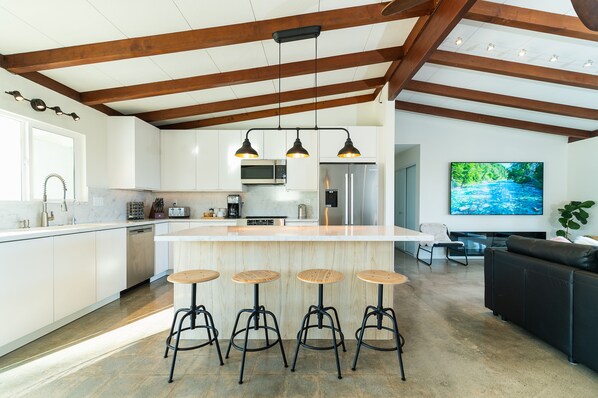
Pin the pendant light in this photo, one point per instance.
(246, 151)
(348, 151)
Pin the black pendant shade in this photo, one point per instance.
(246, 151)
(297, 151)
(349, 151)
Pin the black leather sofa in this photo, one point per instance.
(550, 289)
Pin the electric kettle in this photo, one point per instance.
(301, 211)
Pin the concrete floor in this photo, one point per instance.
(454, 348)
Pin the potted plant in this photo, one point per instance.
(572, 216)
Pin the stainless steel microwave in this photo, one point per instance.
(265, 172)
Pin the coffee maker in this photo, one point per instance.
(234, 206)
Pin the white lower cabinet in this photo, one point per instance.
(161, 263)
(111, 262)
(74, 273)
(26, 290)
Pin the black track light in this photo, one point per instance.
(39, 105)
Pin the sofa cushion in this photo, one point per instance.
(579, 256)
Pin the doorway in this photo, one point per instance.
(405, 200)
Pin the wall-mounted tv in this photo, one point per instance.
(484, 188)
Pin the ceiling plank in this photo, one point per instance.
(200, 38)
(287, 110)
(447, 15)
(502, 100)
(261, 100)
(240, 76)
(494, 120)
(514, 69)
(60, 88)
(525, 18)
(411, 38)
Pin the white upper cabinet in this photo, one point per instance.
(201, 160)
(133, 153)
(364, 138)
(302, 174)
(275, 144)
(179, 153)
(229, 166)
(207, 164)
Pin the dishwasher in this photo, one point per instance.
(140, 254)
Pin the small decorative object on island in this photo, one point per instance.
(572, 212)
(157, 210)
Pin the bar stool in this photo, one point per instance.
(192, 277)
(255, 277)
(321, 277)
(381, 278)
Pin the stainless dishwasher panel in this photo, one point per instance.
(140, 254)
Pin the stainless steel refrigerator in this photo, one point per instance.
(348, 194)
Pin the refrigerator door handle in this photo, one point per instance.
(352, 209)
(346, 198)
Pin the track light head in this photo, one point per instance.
(57, 110)
(38, 104)
(74, 116)
(16, 94)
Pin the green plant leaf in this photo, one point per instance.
(566, 214)
(583, 214)
(587, 204)
(584, 221)
(569, 207)
(573, 225)
(560, 232)
(563, 222)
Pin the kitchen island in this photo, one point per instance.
(287, 250)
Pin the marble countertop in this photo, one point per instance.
(361, 233)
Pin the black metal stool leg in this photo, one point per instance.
(311, 308)
(230, 341)
(398, 341)
(253, 315)
(284, 357)
(338, 323)
(338, 362)
(263, 309)
(366, 316)
(205, 317)
(169, 338)
(209, 316)
(304, 326)
(176, 346)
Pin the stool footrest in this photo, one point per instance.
(239, 348)
(208, 342)
(340, 341)
(363, 343)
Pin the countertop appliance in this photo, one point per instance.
(140, 254)
(179, 212)
(234, 206)
(348, 194)
(135, 211)
(265, 172)
(262, 221)
(302, 211)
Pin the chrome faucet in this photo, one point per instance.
(45, 217)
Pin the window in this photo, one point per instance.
(30, 151)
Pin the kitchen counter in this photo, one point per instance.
(361, 233)
(287, 250)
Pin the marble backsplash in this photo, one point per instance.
(107, 205)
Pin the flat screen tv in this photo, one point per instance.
(484, 188)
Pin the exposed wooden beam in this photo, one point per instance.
(261, 100)
(240, 76)
(514, 69)
(287, 110)
(66, 91)
(200, 38)
(447, 14)
(502, 100)
(525, 18)
(494, 120)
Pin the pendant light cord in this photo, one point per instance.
(316, 84)
(279, 84)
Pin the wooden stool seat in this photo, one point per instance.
(256, 276)
(193, 276)
(382, 277)
(320, 276)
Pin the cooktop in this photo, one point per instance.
(265, 217)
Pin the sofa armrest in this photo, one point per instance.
(585, 318)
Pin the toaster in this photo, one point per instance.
(179, 212)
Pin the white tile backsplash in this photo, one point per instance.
(106, 205)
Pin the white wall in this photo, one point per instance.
(582, 186)
(443, 140)
(92, 123)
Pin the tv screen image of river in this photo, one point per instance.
(484, 188)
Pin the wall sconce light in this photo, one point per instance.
(40, 106)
